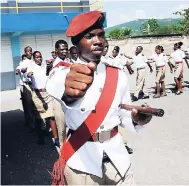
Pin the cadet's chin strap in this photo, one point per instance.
(88, 128)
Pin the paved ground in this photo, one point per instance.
(161, 150)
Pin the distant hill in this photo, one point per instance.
(136, 25)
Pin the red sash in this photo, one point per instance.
(62, 63)
(88, 128)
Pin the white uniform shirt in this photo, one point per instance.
(89, 157)
(140, 61)
(24, 64)
(119, 61)
(160, 59)
(72, 61)
(57, 60)
(178, 55)
(39, 77)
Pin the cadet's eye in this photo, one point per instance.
(89, 36)
(102, 34)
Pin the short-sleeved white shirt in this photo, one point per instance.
(178, 55)
(160, 59)
(140, 60)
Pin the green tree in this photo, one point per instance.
(124, 32)
(150, 27)
(114, 34)
(170, 29)
(185, 20)
(120, 33)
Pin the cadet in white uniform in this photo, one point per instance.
(178, 57)
(87, 166)
(120, 61)
(22, 81)
(61, 48)
(110, 62)
(160, 60)
(43, 102)
(140, 62)
(73, 54)
(23, 65)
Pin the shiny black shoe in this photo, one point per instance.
(134, 98)
(130, 151)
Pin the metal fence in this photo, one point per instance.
(94, 5)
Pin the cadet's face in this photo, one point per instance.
(91, 46)
(38, 58)
(28, 52)
(157, 51)
(74, 54)
(105, 51)
(138, 50)
(53, 55)
(62, 51)
(114, 53)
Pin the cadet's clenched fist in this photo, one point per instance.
(79, 79)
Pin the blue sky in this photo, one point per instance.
(123, 11)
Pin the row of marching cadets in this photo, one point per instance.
(175, 61)
(42, 112)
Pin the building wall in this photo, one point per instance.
(46, 26)
(128, 46)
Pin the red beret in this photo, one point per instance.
(82, 22)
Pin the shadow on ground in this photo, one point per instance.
(23, 162)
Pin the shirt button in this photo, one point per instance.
(102, 126)
(100, 89)
(82, 109)
(96, 72)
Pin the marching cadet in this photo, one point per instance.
(53, 53)
(73, 54)
(22, 81)
(106, 47)
(108, 61)
(49, 62)
(140, 62)
(43, 102)
(61, 49)
(93, 132)
(27, 92)
(120, 60)
(160, 60)
(178, 57)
